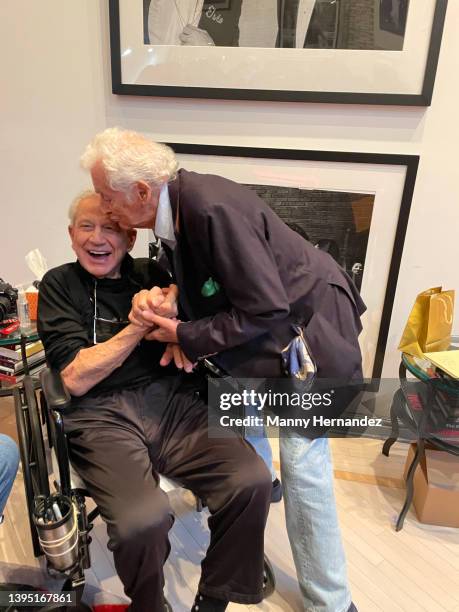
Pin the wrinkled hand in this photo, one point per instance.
(158, 301)
(165, 330)
(193, 36)
(175, 353)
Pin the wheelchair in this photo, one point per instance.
(34, 419)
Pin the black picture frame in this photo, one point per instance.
(423, 98)
(410, 162)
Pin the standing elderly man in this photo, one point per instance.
(244, 277)
(131, 419)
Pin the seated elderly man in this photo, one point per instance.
(131, 418)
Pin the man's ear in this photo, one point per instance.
(143, 191)
(131, 235)
(70, 230)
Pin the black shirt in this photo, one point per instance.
(66, 322)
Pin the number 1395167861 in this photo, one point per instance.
(35, 598)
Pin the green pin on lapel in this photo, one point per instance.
(210, 287)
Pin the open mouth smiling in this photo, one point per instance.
(99, 255)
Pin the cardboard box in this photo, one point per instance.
(436, 487)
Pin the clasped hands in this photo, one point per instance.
(156, 310)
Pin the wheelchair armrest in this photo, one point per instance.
(56, 395)
(57, 399)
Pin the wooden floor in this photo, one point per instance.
(416, 569)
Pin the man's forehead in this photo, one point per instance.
(98, 174)
(91, 207)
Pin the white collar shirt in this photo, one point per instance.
(164, 224)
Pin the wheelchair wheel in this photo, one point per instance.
(31, 449)
(39, 467)
(269, 579)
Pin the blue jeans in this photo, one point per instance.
(9, 461)
(256, 436)
(312, 524)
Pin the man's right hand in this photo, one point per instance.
(156, 301)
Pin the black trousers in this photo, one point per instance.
(119, 443)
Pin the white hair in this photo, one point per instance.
(128, 157)
(75, 205)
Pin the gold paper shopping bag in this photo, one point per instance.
(428, 328)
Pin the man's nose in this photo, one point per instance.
(97, 235)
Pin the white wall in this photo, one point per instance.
(56, 94)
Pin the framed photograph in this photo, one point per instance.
(339, 51)
(355, 206)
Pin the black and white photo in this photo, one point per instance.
(337, 222)
(309, 24)
(336, 51)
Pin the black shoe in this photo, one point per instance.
(352, 608)
(276, 493)
(203, 603)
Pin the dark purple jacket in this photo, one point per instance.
(269, 277)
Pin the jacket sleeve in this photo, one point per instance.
(239, 253)
(60, 323)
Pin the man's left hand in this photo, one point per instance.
(174, 353)
(166, 330)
